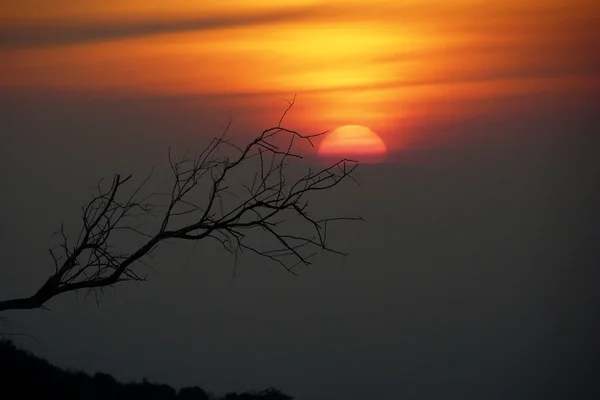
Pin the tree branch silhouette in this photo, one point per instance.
(92, 262)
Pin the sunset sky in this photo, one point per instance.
(393, 66)
(475, 275)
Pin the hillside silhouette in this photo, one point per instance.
(24, 375)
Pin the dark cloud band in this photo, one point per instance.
(32, 35)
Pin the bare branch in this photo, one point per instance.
(207, 200)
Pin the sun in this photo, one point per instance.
(355, 142)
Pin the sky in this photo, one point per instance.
(472, 277)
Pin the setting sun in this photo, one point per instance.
(355, 142)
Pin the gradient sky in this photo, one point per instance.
(384, 64)
(471, 278)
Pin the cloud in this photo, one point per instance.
(34, 35)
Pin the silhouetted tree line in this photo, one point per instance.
(24, 375)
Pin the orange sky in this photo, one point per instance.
(375, 63)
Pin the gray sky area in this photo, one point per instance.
(474, 276)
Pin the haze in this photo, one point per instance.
(475, 275)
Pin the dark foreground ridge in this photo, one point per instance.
(24, 375)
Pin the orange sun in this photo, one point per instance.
(355, 142)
